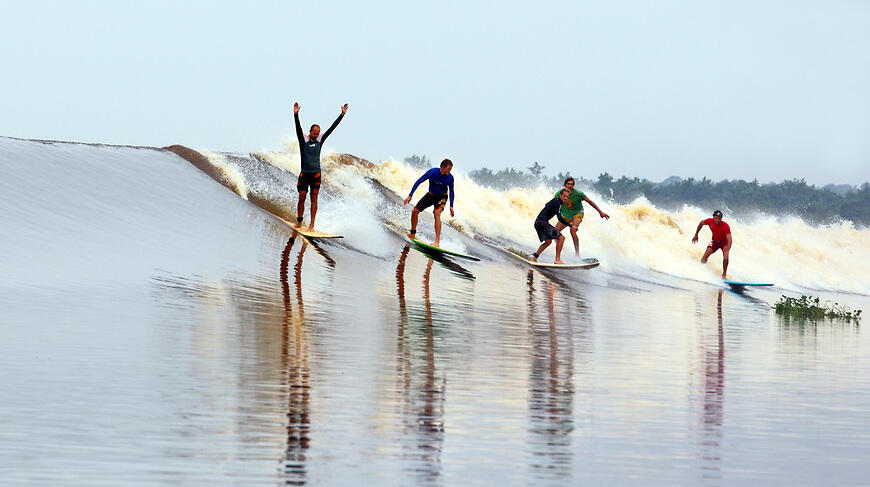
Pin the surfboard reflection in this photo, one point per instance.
(446, 262)
(316, 246)
(422, 388)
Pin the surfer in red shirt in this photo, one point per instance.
(721, 239)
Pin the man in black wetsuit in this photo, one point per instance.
(309, 175)
(546, 232)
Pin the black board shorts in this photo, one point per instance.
(429, 199)
(308, 180)
(545, 230)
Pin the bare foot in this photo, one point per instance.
(557, 261)
(411, 236)
(298, 225)
(436, 244)
(533, 259)
(310, 227)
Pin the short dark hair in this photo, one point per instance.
(569, 178)
(446, 162)
(312, 126)
(717, 213)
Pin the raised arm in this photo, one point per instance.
(334, 124)
(298, 125)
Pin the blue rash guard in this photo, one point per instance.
(309, 150)
(438, 183)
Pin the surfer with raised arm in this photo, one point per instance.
(546, 232)
(571, 213)
(721, 239)
(440, 183)
(309, 152)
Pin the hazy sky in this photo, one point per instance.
(740, 89)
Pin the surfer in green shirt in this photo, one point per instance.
(571, 212)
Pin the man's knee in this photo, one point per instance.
(415, 211)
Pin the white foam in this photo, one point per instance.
(230, 172)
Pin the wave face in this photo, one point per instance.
(639, 240)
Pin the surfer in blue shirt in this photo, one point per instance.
(309, 152)
(440, 181)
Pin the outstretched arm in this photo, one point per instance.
(600, 213)
(695, 238)
(334, 124)
(424, 177)
(298, 125)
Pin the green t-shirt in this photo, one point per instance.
(574, 206)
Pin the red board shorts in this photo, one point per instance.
(716, 245)
(308, 180)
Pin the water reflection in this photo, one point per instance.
(713, 393)
(551, 386)
(294, 360)
(422, 389)
(446, 262)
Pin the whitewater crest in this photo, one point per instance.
(363, 201)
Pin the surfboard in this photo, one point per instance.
(743, 285)
(439, 250)
(586, 263)
(315, 233)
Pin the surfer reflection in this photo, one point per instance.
(317, 248)
(423, 392)
(294, 356)
(551, 387)
(714, 391)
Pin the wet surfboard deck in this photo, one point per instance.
(431, 248)
(586, 263)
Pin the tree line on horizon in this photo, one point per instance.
(793, 196)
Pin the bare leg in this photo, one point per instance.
(300, 208)
(437, 241)
(541, 249)
(706, 255)
(559, 244)
(576, 240)
(415, 213)
(724, 262)
(313, 210)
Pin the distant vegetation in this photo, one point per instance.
(807, 307)
(814, 205)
